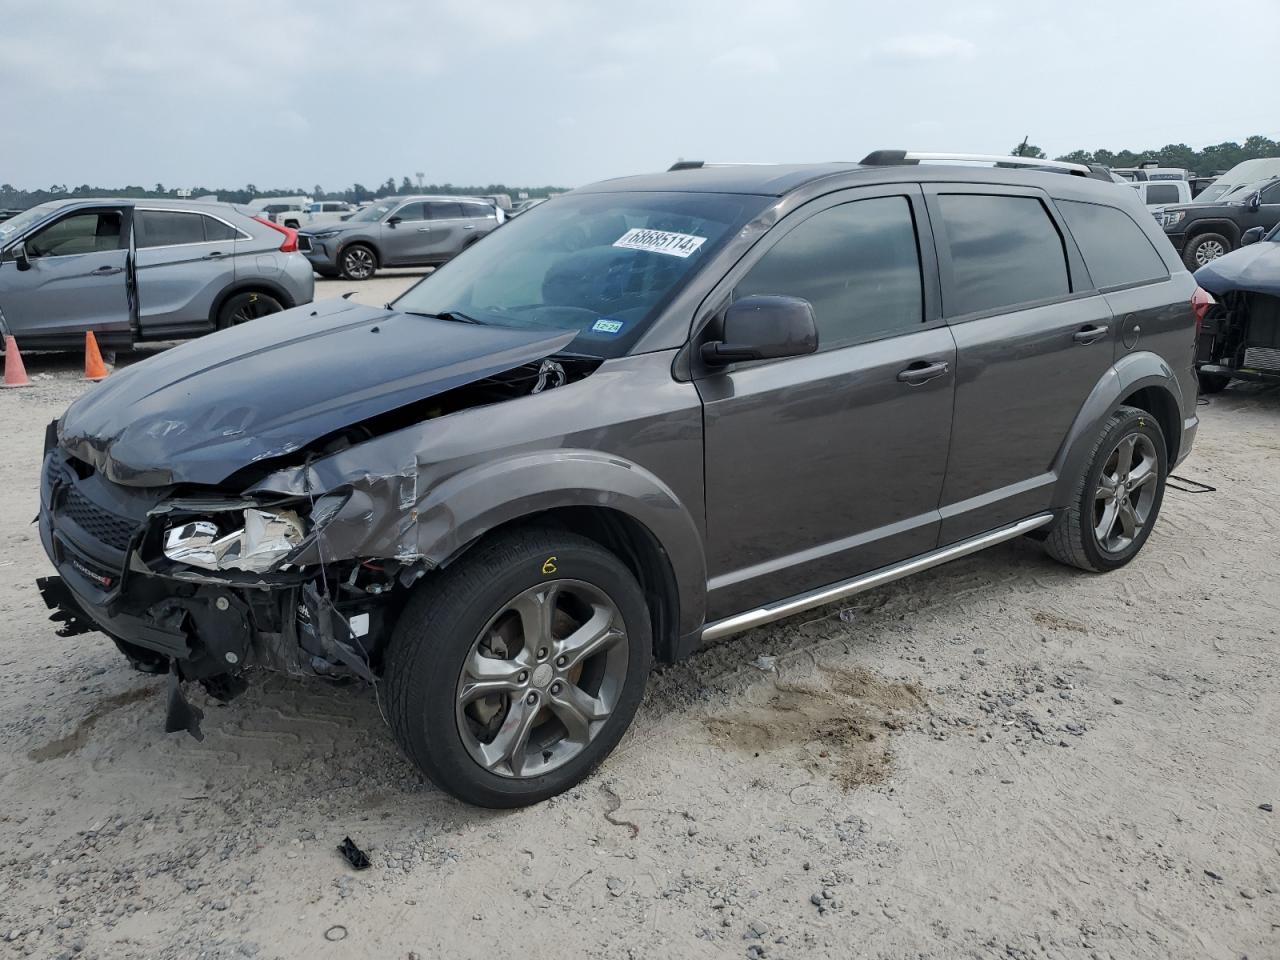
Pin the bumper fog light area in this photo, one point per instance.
(265, 539)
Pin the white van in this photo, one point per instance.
(1248, 172)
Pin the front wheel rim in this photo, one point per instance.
(1209, 250)
(359, 263)
(1126, 492)
(542, 679)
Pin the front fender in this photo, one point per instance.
(1133, 372)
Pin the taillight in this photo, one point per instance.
(1201, 301)
(290, 244)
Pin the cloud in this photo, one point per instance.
(929, 46)
(748, 60)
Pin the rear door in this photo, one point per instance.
(477, 219)
(78, 279)
(448, 228)
(1033, 340)
(825, 466)
(408, 240)
(185, 259)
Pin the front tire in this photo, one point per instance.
(357, 262)
(1117, 499)
(1204, 248)
(514, 672)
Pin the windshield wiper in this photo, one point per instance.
(453, 315)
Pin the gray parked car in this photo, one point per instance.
(399, 232)
(657, 412)
(143, 270)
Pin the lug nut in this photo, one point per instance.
(555, 688)
(232, 658)
(222, 603)
(531, 699)
(561, 661)
(522, 677)
(542, 653)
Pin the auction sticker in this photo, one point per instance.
(605, 325)
(660, 241)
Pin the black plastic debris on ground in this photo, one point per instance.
(354, 855)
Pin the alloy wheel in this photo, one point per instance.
(251, 308)
(1209, 250)
(1126, 492)
(358, 263)
(542, 678)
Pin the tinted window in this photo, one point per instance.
(78, 233)
(857, 264)
(215, 229)
(477, 210)
(1162, 193)
(411, 211)
(1114, 248)
(1271, 194)
(444, 211)
(167, 228)
(1004, 251)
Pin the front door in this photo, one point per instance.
(406, 235)
(822, 467)
(77, 280)
(1033, 338)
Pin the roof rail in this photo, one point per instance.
(686, 165)
(699, 164)
(892, 158)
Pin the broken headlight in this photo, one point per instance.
(267, 537)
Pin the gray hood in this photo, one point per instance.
(1253, 268)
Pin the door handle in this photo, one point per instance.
(922, 371)
(424, 229)
(216, 255)
(1090, 333)
(106, 271)
(469, 226)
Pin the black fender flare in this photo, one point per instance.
(1228, 228)
(251, 285)
(1133, 372)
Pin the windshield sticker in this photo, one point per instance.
(605, 325)
(660, 241)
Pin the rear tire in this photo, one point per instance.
(1204, 248)
(243, 307)
(1117, 498)
(357, 262)
(468, 668)
(1213, 382)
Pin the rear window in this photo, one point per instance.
(1114, 248)
(1162, 193)
(1005, 251)
(444, 211)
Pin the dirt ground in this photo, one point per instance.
(999, 758)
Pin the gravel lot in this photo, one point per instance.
(999, 758)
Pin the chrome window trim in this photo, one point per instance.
(240, 234)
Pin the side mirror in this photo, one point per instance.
(764, 328)
(19, 254)
(392, 221)
(1254, 200)
(1252, 235)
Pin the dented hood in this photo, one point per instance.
(1253, 268)
(203, 410)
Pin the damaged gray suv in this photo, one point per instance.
(656, 412)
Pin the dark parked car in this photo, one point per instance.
(399, 232)
(657, 412)
(143, 270)
(1240, 328)
(1202, 231)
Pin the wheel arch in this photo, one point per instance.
(1142, 380)
(364, 242)
(1227, 228)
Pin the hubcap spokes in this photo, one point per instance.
(1126, 492)
(541, 678)
(1208, 251)
(359, 264)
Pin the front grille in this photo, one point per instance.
(304, 243)
(100, 524)
(1262, 358)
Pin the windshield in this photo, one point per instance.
(19, 223)
(371, 213)
(601, 264)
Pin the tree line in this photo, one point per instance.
(1217, 158)
(15, 198)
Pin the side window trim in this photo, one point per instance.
(239, 234)
(713, 305)
(1080, 285)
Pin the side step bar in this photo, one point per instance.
(868, 581)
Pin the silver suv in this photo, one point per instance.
(399, 232)
(143, 270)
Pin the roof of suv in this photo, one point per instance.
(776, 180)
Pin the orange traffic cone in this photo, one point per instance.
(94, 368)
(15, 372)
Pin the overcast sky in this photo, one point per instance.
(230, 92)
